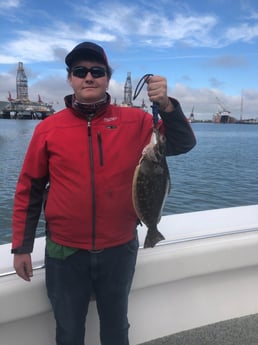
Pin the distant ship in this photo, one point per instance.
(223, 115)
(22, 107)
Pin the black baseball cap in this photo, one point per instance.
(86, 50)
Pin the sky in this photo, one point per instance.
(207, 50)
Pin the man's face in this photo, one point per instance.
(89, 89)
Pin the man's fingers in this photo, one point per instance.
(23, 266)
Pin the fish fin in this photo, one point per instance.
(152, 238)
(138, 222)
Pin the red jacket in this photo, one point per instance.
(90, 167)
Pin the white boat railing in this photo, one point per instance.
(205, 272)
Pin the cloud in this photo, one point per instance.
(46, 45)
(245, 33)
(9, 4)
(7, 83)
(116, 91)
(153, 25)
(51, 91)
(124, 25)
(139, 26)
(227, 61)
(215, 83)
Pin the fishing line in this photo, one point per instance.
(155, 105)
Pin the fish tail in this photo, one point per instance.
(153, 237)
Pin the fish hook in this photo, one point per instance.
(155, 105)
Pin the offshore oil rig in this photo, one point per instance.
(128, 95)
(21, 107)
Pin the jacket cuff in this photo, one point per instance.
(21, 251)
(175, 105)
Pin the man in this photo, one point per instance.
(86, 155)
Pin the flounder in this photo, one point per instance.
(151, 185)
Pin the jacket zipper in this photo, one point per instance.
(92, 187)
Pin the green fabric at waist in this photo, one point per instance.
(58, 251)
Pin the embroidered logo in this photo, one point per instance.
(109, 119)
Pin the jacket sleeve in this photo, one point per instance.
(178, 132)
(29, 195)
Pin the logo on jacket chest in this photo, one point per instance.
(109, 119)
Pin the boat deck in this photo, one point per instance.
(240, 331)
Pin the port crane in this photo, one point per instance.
(222, 107)
(191, 117)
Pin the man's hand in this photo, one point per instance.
(157, 92)
(22, 265)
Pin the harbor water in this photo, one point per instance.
(221, 171)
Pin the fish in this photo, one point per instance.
(151, 186)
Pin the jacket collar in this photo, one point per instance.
(87, 111)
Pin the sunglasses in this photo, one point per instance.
(81, 71)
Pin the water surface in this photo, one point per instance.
(221, 171)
